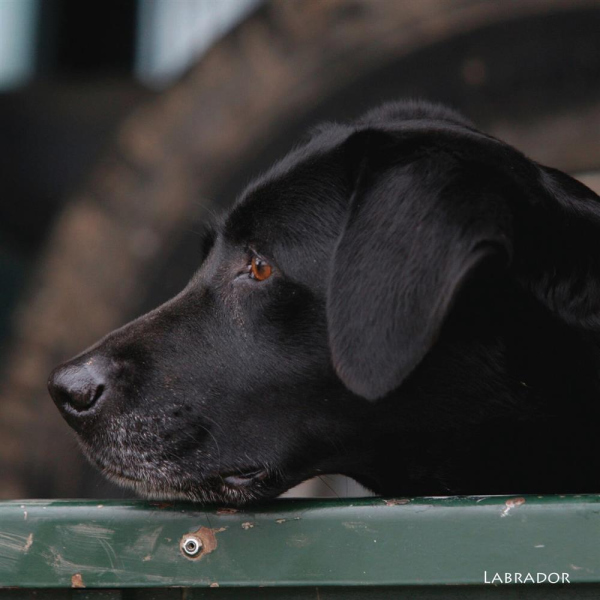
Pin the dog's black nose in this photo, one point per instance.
(77, 386)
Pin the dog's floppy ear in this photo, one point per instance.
(417, 227)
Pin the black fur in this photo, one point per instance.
(430, 327)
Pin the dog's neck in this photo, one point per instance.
(508, 404)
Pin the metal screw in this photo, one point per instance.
(191, 546)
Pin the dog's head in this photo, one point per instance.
(368, 290)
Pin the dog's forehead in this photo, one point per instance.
(303, 196)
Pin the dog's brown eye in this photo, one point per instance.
(260, 269)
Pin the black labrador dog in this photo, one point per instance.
(402, 299)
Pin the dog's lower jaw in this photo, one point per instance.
(175, 490)
(212, 490)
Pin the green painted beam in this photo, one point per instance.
(423, 542)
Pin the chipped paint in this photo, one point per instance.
(510, 504)
(247, 525)
(77, 581)
(207, 538)
(227, 511)
(161, 505)
(13, 545)
(280, 521)
(395, 501)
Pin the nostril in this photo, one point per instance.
(98, 393)
(76, 387)
(85, 396)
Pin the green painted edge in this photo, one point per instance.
(351, 542)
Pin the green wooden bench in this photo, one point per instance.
(354, 548)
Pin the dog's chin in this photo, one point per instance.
(237, 490)
(233, 488)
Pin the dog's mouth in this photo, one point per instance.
(246, 478)
(243, 479)
(231, 487)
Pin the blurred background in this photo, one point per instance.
(123, 123)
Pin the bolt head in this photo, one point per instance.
(191, 546)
